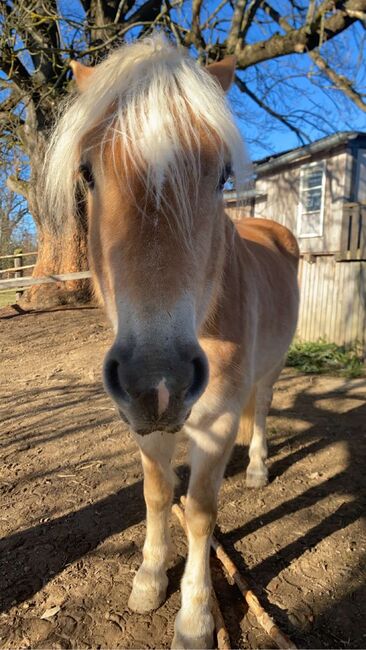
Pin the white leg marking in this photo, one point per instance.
(150, 582)
(257, 472)
(194, 623)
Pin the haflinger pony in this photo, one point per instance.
(203, 312)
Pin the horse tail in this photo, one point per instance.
(245, 430)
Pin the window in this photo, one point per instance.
(311, 205)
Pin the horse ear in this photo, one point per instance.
(223, 71)
(82, 74)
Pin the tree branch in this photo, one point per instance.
(233, 38)
(248, 19)
(244, 88)
(147, 12)
(296, 41)
(197, 38)
(340, 81)
(18, 185)
(213, 14)
(14, 69)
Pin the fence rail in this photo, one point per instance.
(18, 268)
(13, 269)
(20, 282)
(8, 257)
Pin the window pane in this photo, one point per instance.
(313, 177)
(310, 224)
(311, 200)
(310, 204)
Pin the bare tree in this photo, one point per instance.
(38, 40)
(13, 207)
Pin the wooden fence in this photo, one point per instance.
(353, 233)
(15, 272)
(332, 300)
(20, 281)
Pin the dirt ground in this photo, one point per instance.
(72, 511)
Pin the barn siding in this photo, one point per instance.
(281, 192)
(333, 301)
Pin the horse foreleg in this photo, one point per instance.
(210, 450)
(150, 582)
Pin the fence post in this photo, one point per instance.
(18, 261)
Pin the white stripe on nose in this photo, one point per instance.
(163, 397)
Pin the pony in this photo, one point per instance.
(203, 311)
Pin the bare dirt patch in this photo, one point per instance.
(72, 511)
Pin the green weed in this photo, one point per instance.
(322, 357)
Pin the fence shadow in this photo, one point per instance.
(31, 557)
(324, 429)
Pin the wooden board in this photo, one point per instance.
(29, 282)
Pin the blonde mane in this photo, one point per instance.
(144, 95)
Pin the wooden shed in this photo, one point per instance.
(319, 192)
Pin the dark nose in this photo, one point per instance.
(132, 380)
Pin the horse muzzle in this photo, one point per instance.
(155, 392)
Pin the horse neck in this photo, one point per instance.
(227, 262)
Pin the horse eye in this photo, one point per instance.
(87, 174)
(225, 175)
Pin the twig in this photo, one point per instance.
(178, 512)
(223, 639)
(264, 619)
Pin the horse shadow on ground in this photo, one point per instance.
(31, 557)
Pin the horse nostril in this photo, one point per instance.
(112, 380)
(200, 378)
(111, 371)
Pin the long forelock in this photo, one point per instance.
(148, 98)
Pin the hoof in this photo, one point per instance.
(256, 479)
(145, 598)
(182, 642)
(146, 601)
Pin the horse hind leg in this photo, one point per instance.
(257, 471)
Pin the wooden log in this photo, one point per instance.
(264, 619)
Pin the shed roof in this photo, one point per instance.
(330, 142)
(276, 161)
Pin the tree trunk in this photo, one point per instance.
(62, 248)
(65, 252)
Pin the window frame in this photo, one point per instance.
(300, 211)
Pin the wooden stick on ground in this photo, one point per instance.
(264, 619)
(223, 639)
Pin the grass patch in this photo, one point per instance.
(320, 357)
(7, 298)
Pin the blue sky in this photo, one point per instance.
(291, 84)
